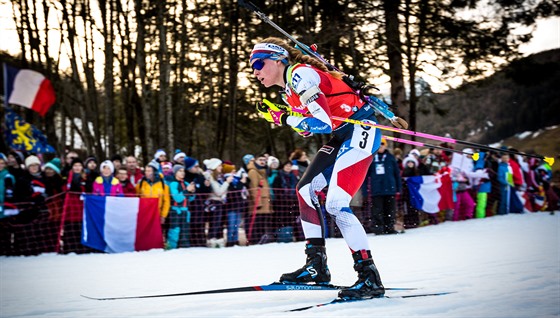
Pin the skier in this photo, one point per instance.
(315, 94)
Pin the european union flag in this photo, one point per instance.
(23, 136)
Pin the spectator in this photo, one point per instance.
(385, 183)
(179, 215)
(273, 164)
(106, 183)
(153, 186)
(134, 173)
(246, 159)
(194, 174)
(15, 163)
(167, 171)
(7, 184)
(127, 186)
(300, 162)
(216, 199)
(236, 201)
(91, 172)
(30, 187)
(284, 203)
(260, 211)
(76, 181)
(68, 158)
(160, 156)
(117, 162)
(483, 188)
(434, 161)
(54, 184)
(411, 215)
(179, 157)
(505, 178)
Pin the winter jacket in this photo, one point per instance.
(7, 184)
(155, 189)
(180, 196)
(107, 186)
(136, 177)
(384, 175)
(75, 182)
(219, 189)
(257, 175)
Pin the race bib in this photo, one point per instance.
(363, 138)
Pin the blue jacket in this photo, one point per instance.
(384, 175)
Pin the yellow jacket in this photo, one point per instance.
(156, 190)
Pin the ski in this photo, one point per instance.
(351, 300)
(276, 286)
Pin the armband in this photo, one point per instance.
(310, 95)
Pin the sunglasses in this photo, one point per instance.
(258, 64)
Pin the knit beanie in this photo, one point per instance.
(247, 158)
(166, 165)
(76, 160)
(54, 165)
(410, 158)
(159, 153)
(3, 157)
(89, 159)
(176, 168)
(108, 163)
(32, 160)
(190, 162)
(273, 160)
(154, 164)
(213, 163)
(227, 167)
(178, 155)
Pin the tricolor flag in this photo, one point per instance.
(28, 88)
(121, 224)
(431, 193)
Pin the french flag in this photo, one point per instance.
(29, 89)
(430, 194)
(121, 224)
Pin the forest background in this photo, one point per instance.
(135, 76)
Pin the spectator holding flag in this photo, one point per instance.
(153, 186)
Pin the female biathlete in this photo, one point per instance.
(342, 163)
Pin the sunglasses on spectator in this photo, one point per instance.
(258, 64)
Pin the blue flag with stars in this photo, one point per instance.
(22, 136)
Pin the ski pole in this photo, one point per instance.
(475, 155)
(549, 160)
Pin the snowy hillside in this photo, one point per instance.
(503, 266)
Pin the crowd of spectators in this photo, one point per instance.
(217, 203)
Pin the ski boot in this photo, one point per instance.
(315, 269)
(369, 283)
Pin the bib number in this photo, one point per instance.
(363, 138)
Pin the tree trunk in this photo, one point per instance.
(394, 48)
(144, 95)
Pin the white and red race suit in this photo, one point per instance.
(343, 162)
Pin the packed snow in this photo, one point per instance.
(503, 266)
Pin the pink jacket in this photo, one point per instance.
(99, 188)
